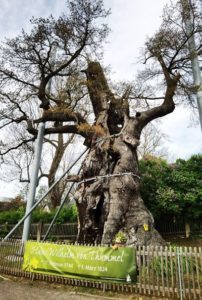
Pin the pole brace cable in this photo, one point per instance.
(108, 176)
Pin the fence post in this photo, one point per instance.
(187, 230)
(38, 231)
(179, 273)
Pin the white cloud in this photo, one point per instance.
(184, 139)
(15, 14)
(130, 22)
(9, 189)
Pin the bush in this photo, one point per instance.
(67, 214)
(172, 190)
(11, 216)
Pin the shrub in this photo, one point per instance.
(67, 214)
(11, 216)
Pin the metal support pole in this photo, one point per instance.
(42, 198)
(33, 181)
(200, 7)
(35, 172)
(193, 55)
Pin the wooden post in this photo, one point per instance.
(39, 230)
(187, 230)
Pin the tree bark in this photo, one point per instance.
(57, 192)
(112, 203)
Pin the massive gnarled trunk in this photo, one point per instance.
(108, 199)
(109, 204)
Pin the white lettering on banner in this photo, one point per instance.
(93, 268)
(67, 253)
(97, 257)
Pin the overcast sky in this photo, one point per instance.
(130, 22)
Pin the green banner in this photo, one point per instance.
(104, 263)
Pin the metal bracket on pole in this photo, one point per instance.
(34, 180)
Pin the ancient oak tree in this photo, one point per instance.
(108, 197)
(112, 203)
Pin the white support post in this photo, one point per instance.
(33, 181)
(193, 55)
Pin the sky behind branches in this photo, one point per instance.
(131, 22)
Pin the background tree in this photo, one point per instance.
(172, 191)
(151, 143)
(52, 51)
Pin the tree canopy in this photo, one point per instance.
(172, 190)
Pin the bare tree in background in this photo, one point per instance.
(151, 144)
(54, 50)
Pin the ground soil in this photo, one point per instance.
(14, 288)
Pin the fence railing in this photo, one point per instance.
(183, 228)
(172, 272)
(68, 231)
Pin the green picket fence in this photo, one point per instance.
(171, 272)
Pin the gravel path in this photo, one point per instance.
(26, 290)
(15, 288)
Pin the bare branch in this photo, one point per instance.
(60, 114)
(51, 142)
(166, 107)
(13, 76)
(17, 146)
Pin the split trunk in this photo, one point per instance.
(108, 199)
